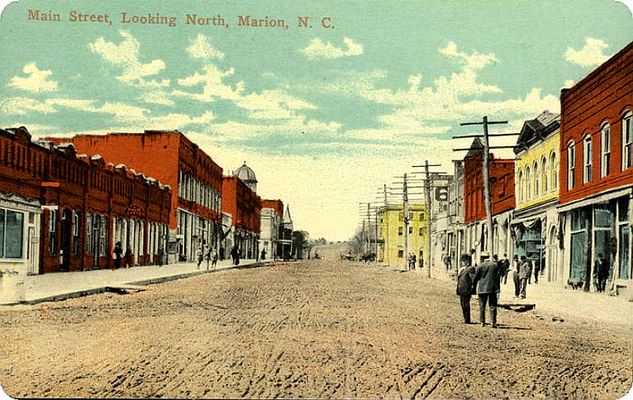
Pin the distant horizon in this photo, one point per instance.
(325, 102)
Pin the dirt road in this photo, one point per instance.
(309, 329)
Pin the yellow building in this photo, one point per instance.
(535, 220)
(393, 235)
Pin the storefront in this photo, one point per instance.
(599, 229)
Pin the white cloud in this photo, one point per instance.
(318, 49)
(591, 54)
(125, 55)
(213, 86)
(202, 48)
(36, 80)
(24, 106)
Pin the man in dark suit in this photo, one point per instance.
(487, 277)
(465, 285)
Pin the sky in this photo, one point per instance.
(325, 114)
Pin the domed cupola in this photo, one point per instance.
(246, 174)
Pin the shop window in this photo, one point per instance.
(11, 233)
(605, 150)
(624, 235)
(603, 218)
(578, 255)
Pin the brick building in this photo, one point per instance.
(271, 224)
(501, 172)
(195, 220)
(244, 207)
(63, 211)
(596, 173)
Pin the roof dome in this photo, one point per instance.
(246, 174)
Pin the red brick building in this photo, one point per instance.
(244, 206)
(62, 211)
(502, 195)
(195, 221)
(596, 172)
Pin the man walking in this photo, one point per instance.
(487, 280)
(525, 271)
(515, 275)
(504, 267)
(465, 286)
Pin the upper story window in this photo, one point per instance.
(586, 156)
(605, 150)
(627, 140)
(528, 180)
(554, 171)
(571, 165)
(544, 175)
(537, 179)
(520, 182)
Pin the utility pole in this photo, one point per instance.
(368, 231)
(485, 169)
(429, 213)
(428, 184)
(405, 209)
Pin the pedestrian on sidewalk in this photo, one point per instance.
(504, 267)
(128, 257)
(487, 281)
(200, 256)
(515, 275)
(537, 268)
(118, 251)
(465, 285)
(525, 271)
(214, 258)
(601, 272)
(235, 255)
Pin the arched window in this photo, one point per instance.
(587, 159)
(605, 150)
(554, 170)
(537, 180)
(571, 165)
(528, 179)
(544, 175)
(627, 140)
(520, 182)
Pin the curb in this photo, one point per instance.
(142, 282)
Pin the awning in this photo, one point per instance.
(603, 198)
(529, 221)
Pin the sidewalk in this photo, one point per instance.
(552, 300)
(65, 285)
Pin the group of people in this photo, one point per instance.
(412, 259)
(485, 281)
(126, 261)
(210, 254)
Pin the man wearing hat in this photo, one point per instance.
(487, 278)
(465, 285)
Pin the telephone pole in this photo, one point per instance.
(429, 209)
(405, 209)
(485, 169)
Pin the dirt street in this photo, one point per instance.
(318, 329)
